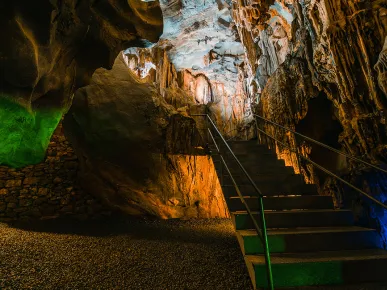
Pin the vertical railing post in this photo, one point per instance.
(264, 228)
(297, 155)
(266, 244)
(221, 178)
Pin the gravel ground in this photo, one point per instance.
(122, 254)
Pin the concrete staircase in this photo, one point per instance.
(311, 243)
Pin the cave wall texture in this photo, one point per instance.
(51, 49)
(316, 66)
(136, 152)
(320, 68)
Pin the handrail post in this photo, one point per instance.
(298, 156)
(266, 244)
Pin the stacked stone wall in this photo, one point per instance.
(48, 189)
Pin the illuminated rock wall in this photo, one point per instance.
(137, 152)
(320, 68)
(198, 61)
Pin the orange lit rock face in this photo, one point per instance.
(135, 150)
(302, 50)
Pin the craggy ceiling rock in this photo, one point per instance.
(136, 150)
(50, 48)
(197, 61)
(381, 67)
(339, 42)
(339, 45)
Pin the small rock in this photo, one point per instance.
(13, 183)
(31, 180)
(3, 191)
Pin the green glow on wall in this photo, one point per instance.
(25, 135)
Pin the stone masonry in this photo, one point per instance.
(48, 189)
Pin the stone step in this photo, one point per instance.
(273, 178)
(272, 189)
(309, 239)
(295, 218)
(282, 202)
(275, 166)
(252, 158)
(245, 144)
(320, 268)
(255, 150)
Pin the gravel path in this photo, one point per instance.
(122, 254)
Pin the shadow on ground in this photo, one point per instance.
(193, 230)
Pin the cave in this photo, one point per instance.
(320, 123)
(132, 157)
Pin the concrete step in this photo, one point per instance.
(276, 168)
(248, 147)
(256, 150)
(309, 240)
(276, 165)
(272, 189)
(320, 268)
(245, 144)
(295, 218)
(280, 203)
(252, 158)
(261, 159)
(267, 169)
(273, 178)
(240, 144)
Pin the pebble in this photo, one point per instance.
(125, 253)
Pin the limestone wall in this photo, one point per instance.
(47, 189)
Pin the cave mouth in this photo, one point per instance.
(321, 124)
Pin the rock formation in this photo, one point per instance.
(136, 150)
(130, 124)
(329, 54)
(198, 61)
(318, 67)
(50, 49)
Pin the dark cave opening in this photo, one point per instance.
(321, 124)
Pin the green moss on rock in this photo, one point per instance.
(25, 134)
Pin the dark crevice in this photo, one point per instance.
(321, 124)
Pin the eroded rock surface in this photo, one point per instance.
(49, 49)
(136, 150)
(330, 53)
(198, 61)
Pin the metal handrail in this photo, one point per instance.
(322, 144)
(261, 233)
(321, 167)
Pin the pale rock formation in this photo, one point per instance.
(198, 61)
